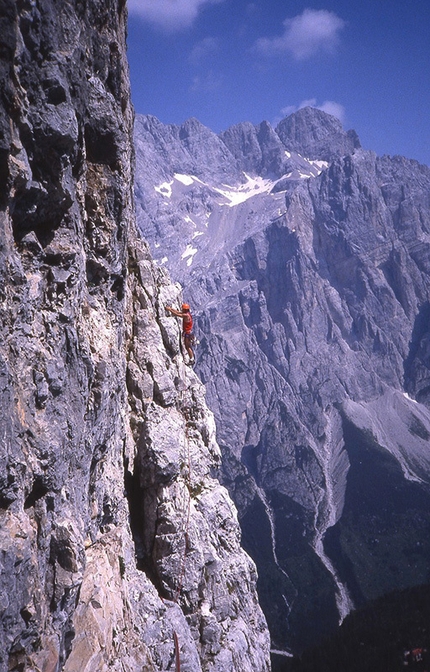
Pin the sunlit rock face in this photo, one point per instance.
(306, 259)
(119, 549)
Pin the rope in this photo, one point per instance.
(186, 520)
(178, 660)
(187, 512)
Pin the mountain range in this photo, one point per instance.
(306, 261)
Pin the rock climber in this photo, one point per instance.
(187, 328)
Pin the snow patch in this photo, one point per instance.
(321, 165)
(165, 189)
(184, 179)
(189, 252)
(406, 395)
(252, 187)
(197, 233)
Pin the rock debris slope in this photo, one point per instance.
(119, 548)
(307, 260)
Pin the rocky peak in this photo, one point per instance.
(191, 149)
(207, 150)
(316, 135)
(243, 143)
(274, 162)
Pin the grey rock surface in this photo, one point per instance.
(309, 278)
(317, 135)
(120, 550)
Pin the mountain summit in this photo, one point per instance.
(306, 260)
(316, 135)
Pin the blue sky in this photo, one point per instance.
(226, 61)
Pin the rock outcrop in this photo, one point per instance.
(312, 297)
(119, 548)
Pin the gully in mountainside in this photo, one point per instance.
(187, 328)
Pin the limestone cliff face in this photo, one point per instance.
(119, 548)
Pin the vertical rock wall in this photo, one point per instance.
(116, 541)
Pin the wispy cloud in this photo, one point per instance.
(171, 15)
(207, 83)
(204, 49)
(305, 35)
(329, 106)
(336, 109)
(251, 9)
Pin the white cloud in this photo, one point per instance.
(305, 35)
(329, 106)
(309, 102)
(171, 15)
(336, 109)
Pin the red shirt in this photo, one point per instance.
(187, 324)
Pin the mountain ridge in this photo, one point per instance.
(311, 295)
